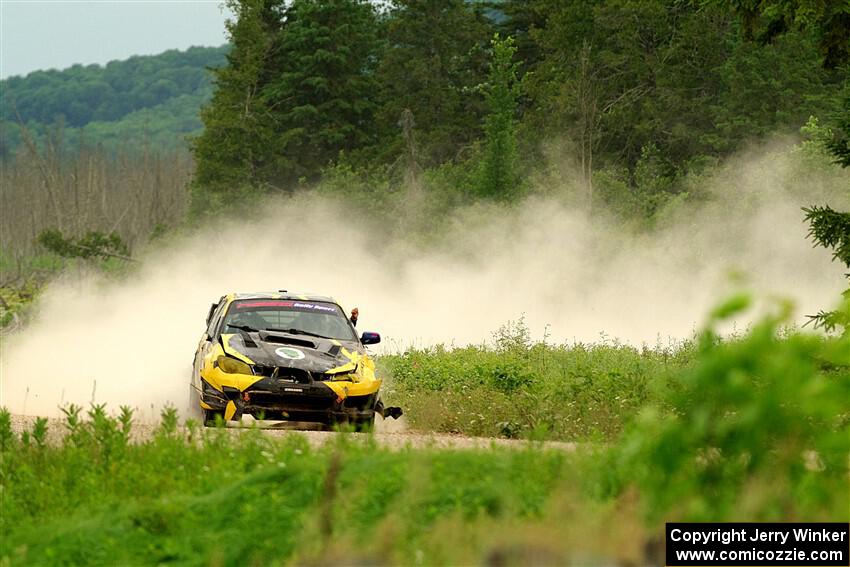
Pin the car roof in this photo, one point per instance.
(282, 294)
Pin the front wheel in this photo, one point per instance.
(194, 410)
(365, 424)
(212, 417)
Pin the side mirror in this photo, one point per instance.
(370, 338)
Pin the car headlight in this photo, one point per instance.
(232, 365)
(350, 376)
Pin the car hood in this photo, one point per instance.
(276, 349)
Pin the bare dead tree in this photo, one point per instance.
(87, 190)
(412, 169)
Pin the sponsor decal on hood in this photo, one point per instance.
(289, 353)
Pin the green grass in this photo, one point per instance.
(516, 388)
(249, 499)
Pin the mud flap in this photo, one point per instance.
(393, 412)
(385, 412)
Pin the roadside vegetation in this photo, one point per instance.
(516, 388)
(752, 429)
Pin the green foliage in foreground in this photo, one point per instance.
(518, 388)
(752, 429)
(196, 498)
(759, 427)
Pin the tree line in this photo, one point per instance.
(117, 105)
(83, 94)
(643, 91)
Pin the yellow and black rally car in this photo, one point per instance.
(285, 356)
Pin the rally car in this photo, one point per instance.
(285, 356)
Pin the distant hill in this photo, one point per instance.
(150, 100)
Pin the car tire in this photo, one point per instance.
(211, 417)
(365, 425)
(194, 410)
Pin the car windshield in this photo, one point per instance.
(308, 317)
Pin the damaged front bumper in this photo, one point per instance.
(313, 401)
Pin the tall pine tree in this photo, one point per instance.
(237, 145)
(325, 93)
(498, 177)
(436, 56)
(298, 89)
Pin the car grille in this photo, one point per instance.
(291, 402)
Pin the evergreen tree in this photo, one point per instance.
(840, 144)
(766, 87)
(828, 20)
(299, 88)
(831, 229)
(325, 92)
(498, 177)
(616, 76)
(237, 147)
(520, 20)
(647, 90)
(435, 58)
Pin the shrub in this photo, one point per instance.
(760, 429)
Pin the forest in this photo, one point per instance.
(123, 103)
(629, 90)
(638, 94)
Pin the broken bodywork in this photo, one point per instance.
(284, 356)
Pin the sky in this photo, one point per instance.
(56, 34)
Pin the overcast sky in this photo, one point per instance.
(55, 34)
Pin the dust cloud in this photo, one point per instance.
(572, 277)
